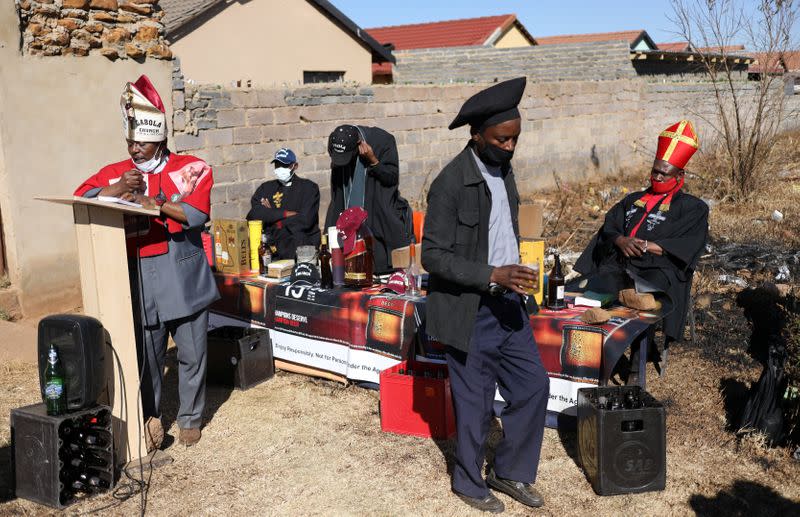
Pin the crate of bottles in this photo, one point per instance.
(59, 460)
(415, 399)
(622, 439)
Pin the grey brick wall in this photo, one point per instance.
(573, 62)
(571, 129)
(565, 124)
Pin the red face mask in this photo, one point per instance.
(662, 187)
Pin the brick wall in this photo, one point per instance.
(695, 101)
(570, 128)
(572, 62)
(112, 28)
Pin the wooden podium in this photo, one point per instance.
(100, 229)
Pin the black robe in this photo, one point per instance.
(287, 233)
(388, 214)
(681, 231)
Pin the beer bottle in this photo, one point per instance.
(326, 274)
(555, 286)
(55, 395)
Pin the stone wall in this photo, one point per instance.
(570, 129)
(59, 124)
(113, 28)
(570, 62)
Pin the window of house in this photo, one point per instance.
(311, 77)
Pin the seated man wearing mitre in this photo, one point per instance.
(651, 240)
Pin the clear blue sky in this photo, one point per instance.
(540, 17)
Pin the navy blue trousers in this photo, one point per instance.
(502, 354)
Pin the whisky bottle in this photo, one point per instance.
(326, 274)
(555, 286)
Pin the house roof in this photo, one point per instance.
(449, 33)
(726, 49)
(178, 13)
(677, 46)
(632, 37)
(777, 63)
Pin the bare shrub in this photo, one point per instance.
(748, 113)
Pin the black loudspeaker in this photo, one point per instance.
(622, 440)
(59, 460)
(239, 357)
(81, 343)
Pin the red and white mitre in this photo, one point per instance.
(677, 144)
(143, 113)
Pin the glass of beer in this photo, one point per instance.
(535, 267)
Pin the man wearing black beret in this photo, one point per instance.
(475, 307)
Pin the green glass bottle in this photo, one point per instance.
(55, 396)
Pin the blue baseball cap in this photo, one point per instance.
(285, 156)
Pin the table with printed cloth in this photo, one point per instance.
(353, 335)
(339, 334)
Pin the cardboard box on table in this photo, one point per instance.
(401, 257)
(531, 245)
(231, 246)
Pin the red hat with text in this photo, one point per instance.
(347, 225)
(677, 144)
(143, 113)
(398, 283)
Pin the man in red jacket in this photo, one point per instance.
(171, 282)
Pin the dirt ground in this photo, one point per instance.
(301, 446)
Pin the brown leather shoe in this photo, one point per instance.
(153, 434)
(189, 436)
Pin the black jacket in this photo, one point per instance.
(681, 231)
(455, 247)
(287, 233)
(386, 210)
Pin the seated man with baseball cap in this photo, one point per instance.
(365, 173)
(288, 206)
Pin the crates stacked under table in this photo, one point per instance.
(622, 439)
(60, 459)
(416, 400)
(239, 357)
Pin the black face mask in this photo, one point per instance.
(493, 155)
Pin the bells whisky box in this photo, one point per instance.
(231, 246)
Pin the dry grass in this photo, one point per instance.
(298, 446)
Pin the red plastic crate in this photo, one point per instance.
(418, 406)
